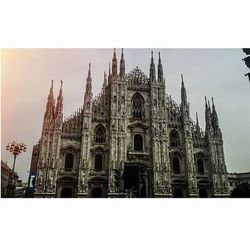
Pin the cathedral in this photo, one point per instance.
(131, 140)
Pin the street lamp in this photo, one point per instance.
(14, 148)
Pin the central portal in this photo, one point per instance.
(138, 181)
(66, 193)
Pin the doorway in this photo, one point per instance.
(67, 192)
(137, 181)
(203, 193)
(177, 193)
(97, 192)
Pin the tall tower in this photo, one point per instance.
(117, 128)
(188, 142)
(47, 130)
(158, 133)
(85, 159)
(58, 123)
(50, 144)
(215, 144)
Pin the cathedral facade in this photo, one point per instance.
(131, 140)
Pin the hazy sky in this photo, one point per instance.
(27, 73)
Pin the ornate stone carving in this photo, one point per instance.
(155, 118)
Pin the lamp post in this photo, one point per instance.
(14, 148)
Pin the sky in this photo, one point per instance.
(27, 74)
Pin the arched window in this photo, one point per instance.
(137, 104)
(176, 165)
(178, 193)
(138, 143)
(100, 134)
(203, 193)
(69, 161)
(174, 139)
(200, 166)
(98, 162)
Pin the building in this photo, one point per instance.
(232, 181)
(33, 169)
(239, 184)
(6, 178)
(131, 140)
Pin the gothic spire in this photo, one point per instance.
(122, 65)
(206, 107)
(207, 115)
(109, 75)
(114, 64)
(197, 124)
(215, 120)
(89, 80)
(209, 107)
(60, 91)
(184, 103)
(51, 101)
(183, 92)
(105, 80)
(213, 106)
(152, 68)
(88, 92)
(59, 105)
(103, 93)
(51, 94)
(160, 69)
